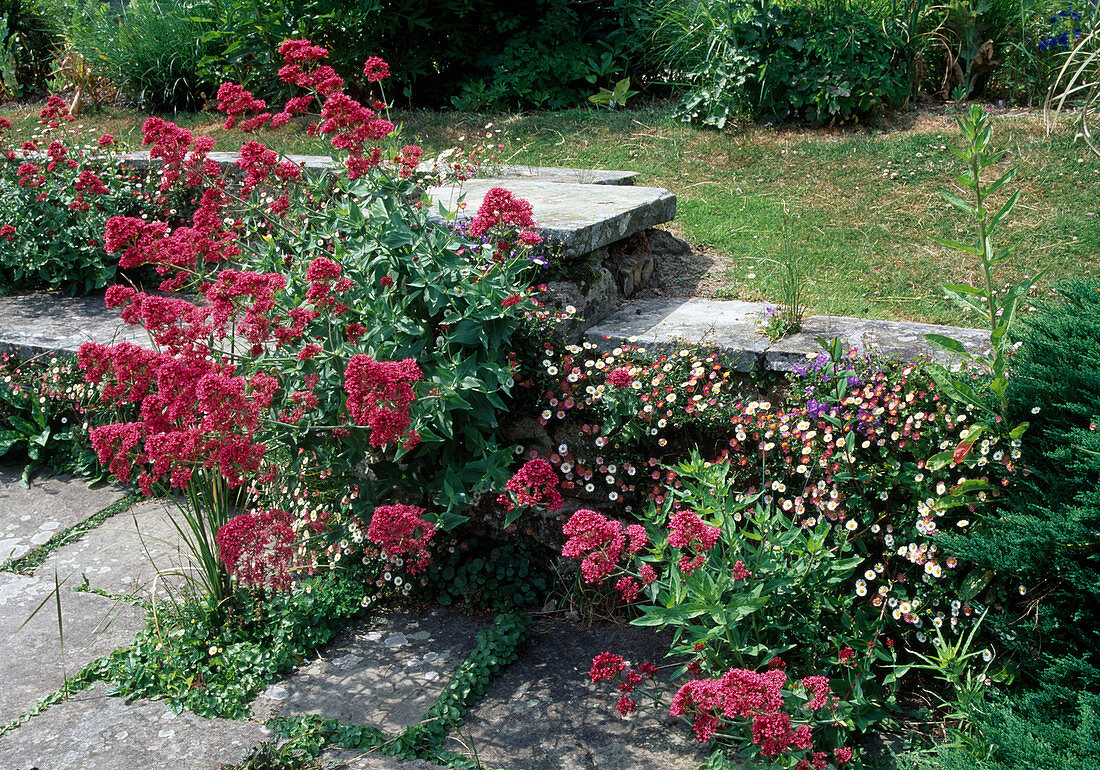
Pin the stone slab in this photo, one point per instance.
(732, 327)
(385, 671)
(547, 174)
(543, 712)
(140, 159)
(30, 645)
(580, 218)
(47, 322)
(92, 731)
(344, 759)
(134, 553)
(30, 517)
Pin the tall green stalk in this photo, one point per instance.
(998, 309)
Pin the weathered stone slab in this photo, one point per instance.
(580, 218)
(544, 713)
(732, 327)
(133, 553)
(30, 517)
(91, 731)
(343, 759)
(140, 159)
(30, 645)
(47, 322)
(894, 338)
(555, 174)
(728, 325)
(385, 671)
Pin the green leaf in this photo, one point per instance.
(950, 344)
(959, 203)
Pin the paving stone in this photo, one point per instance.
(385, 671)
(543, 712)
(30, 517)
(124, 555)
(732, 326)
(580, 218)
(30, 646)
(343, 759)
(47, 322)
(92, 731)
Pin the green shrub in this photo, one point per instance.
(29, 34)
(152, 50)
(793, 62)
(473, 54)
(1047, 533)
(56, 236)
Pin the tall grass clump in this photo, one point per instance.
(152, 49)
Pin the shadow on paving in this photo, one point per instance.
(91, 731)
(384, 671)
(30, 517)
(544, 713)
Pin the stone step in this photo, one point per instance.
(92, 731)
(140, 159)
(578, 218)
(396, 664)
(731, 326)
(42, 323)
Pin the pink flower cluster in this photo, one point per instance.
(174, 253)
(379, 396)
(688, 531)
(600, 543)
(193, 412)
(607, 666)
(500, 207)
(395, 528)
(759, 697)
(257, 548)
(535, 482)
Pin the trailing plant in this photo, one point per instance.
(213, 658)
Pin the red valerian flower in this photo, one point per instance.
(606, 665)
(379, 396)
(620, 378)
(818, 687)
(7, 232)
(395, 528)
(687, 530)
(843, 755)
(626, 705)
(846, 656)
(258, 548)
(535, 482)
(499, 207)
(600, 541)
(376, 69)
(106, 140)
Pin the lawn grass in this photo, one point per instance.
(864, 200)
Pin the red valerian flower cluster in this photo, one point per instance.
(194, 412)
(500, 207)
(688, 531)
(608, 666)
(531, 485)
(379, 396)
(394, 528)
(258, 549)
(741, 694)
(600, 543)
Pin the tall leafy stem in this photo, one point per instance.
(985, 392)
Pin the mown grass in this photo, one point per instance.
(864, 200)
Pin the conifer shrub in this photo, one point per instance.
(1047, 532)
